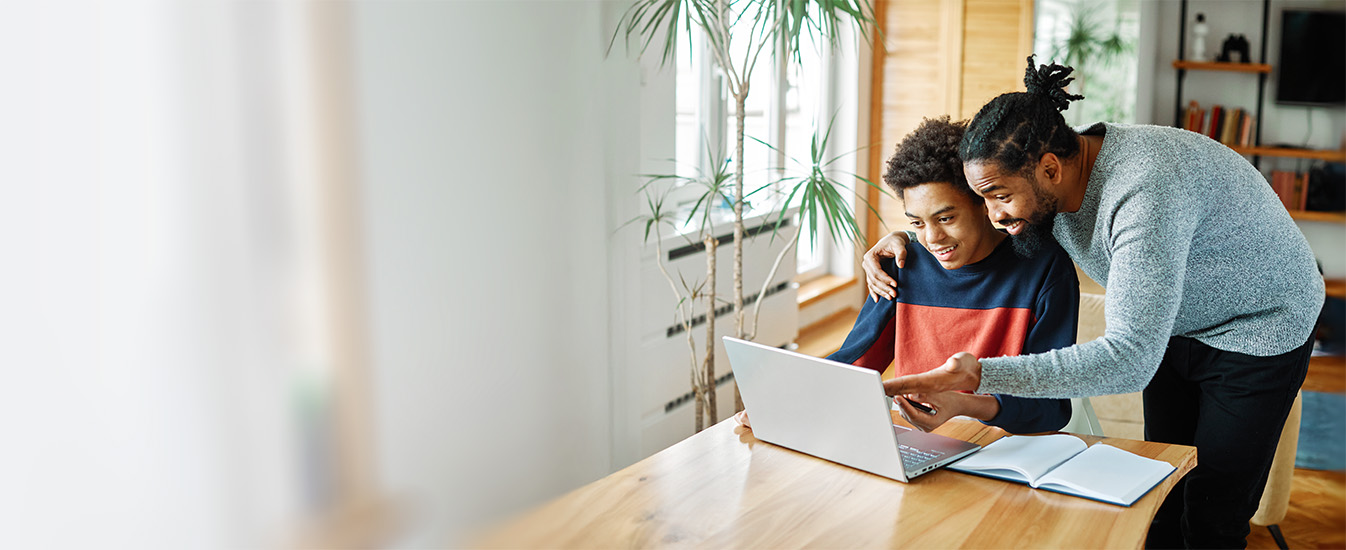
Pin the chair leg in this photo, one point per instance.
(1276, 534)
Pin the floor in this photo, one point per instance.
(1317, 513)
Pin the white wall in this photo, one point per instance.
(159, 250)
(97, 416)
(144, 361)
(493, 138)
(1280, 124)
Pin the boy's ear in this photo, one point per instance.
(985, 215)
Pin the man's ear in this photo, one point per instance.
(1050, 168)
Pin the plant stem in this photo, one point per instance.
(741, 101)
(685, 310)
(761, 294)
(720, 48)
(708, 370)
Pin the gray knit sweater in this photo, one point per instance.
(1189, 240)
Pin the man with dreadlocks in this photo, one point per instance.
(1212, 291)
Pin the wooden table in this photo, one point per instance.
(722, 488)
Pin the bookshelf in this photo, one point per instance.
(1255, 150)
(1289, 152)
(1221, 66)
(1336, 288)
(1262, 69)
(1314, 216)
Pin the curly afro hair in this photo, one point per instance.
(929, 154)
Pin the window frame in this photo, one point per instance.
(714, 109)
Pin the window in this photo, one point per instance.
(1097, 39)
(789, 98)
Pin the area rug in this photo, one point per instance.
(1322, 432)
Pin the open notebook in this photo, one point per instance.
(1063, 463)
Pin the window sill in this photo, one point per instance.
(819, 288)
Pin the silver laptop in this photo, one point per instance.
(833, 411)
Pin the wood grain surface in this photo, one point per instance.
(724, 488)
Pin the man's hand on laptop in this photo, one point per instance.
(742, 419)
(962, 372)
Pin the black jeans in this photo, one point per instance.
(1231, 407)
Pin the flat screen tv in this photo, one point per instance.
(1312, 68)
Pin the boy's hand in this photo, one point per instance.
(947, 405)
(893, 245)
(944, 410)
(742, 419)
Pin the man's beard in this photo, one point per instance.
(1036, 235)
(1037, 232)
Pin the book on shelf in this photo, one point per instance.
(1230, 126)
(1213, 125)
(1195, 116)
(1301, 190)
(1278, 186)
(1233, 117)
(1065, 464)
(1292, 188)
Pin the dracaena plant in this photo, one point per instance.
(755, 29)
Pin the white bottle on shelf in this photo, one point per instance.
(1199, 32)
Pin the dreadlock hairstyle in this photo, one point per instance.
(1014, 130)
(929, 154)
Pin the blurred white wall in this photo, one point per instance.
(489, 133)
(162, 278)
(143, 278)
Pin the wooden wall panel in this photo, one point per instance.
(941, 57)
(915, 84)
(994, 50)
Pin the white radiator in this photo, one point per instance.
(662, 366)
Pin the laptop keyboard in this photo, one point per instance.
(913, 457)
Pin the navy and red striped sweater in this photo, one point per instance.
(1003, 305)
